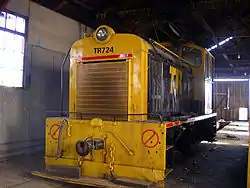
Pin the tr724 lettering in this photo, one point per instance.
(104, 50)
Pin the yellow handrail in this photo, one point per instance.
(172, 53)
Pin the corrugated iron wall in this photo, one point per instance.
(229, 97)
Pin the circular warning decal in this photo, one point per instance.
(54, 131)
(150, 138)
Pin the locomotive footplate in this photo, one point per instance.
(96, 182)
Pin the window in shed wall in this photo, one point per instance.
(12, 48)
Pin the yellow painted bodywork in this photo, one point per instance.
(138, 71)
(131, 158)
(176, 80)
(125, 153)
(199, 76)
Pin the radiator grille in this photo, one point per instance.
(102, 88)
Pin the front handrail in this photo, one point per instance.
(62, 79)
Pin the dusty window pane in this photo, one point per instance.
(20, 25)
(19, 44)
(11, 22)
(13, 60)
(12, 50)
(2, 40)
(2, 19)
(12, 65)
(18, 61)
(1, 58)
(7, 77)
(2, 75)
(17, 78)
(9, 41)
(8, 59)
(13, 78)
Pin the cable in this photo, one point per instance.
(59, 138)
(155, 31)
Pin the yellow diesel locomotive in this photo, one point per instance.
(132, 102)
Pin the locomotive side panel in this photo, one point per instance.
(170, 88)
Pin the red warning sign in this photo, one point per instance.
(54, 131)
(150, 138)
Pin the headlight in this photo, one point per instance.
(102, 34)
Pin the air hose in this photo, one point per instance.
(58, 155)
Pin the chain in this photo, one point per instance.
(112, 159)
(80, 160)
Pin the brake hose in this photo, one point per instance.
(59, 138)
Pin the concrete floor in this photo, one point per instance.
(222, 164)
(15, 172)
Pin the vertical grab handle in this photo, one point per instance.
(62, 78)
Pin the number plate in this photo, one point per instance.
(104, 50)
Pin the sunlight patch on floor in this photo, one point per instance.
(231, 132)
(234, 143)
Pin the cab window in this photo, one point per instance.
(193, 55)
(208, 66)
